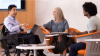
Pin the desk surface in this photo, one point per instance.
(92, 40)
(35, 47)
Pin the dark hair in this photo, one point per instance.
(11, 6)
(90, 8)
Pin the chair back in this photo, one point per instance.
(73, 29)
(92, 48)
(6, 39)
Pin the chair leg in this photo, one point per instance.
(15, 52)
(7, 52)
(28, 51)
(23, 52)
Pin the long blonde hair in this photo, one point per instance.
(59, 13)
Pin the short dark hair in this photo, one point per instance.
(11, 6)
(90, 8)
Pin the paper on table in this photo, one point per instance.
(51, 35)
(23, 45)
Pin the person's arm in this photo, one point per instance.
(66, 26)
(91, 28)
(80, 33)
(24, 30)
(10, 25)
(42, 27)
(47, 26)
(66, 30)
(23, 27)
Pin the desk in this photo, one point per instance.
(35, 48)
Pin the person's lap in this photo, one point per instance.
(75, 47)
(29, 38)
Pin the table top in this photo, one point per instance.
(51, 35)
(35, 47)
(71, 35)
(92, 40)
(59, 33)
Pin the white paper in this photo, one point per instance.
(51, 35)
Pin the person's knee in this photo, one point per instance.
(36, 36)
(31, 36)
(72, 47)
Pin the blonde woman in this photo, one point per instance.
(59, 24)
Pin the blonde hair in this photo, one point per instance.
(59, 13)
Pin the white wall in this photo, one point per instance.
(72, 10)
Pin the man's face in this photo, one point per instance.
(13, 12)
(85, 13)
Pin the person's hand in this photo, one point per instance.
(59, 38)
(24, 30)
(47, 31)
(72, 33)
(24, 25)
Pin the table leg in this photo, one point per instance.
(35, 52)
(18, 52)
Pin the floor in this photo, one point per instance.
(45, 52)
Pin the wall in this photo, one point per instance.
(27, 16)
(72, 10)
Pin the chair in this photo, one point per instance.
(51, 38)
(8, 41)
(92, 48)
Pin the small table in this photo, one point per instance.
(71, 35)
(92, 40)
(59, 33)
(52, 34)
(35, 48)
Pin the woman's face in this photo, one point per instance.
(54, 13)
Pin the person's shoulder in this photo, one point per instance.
(65, 21)
(7, 19)
(51, 21)
(94, 19)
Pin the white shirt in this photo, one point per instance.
(12, 24)
(93, 24)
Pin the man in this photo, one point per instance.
(93, 25)
(13, 25)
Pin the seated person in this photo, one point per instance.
(59, 24)
(93, 25)
(13, 25)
